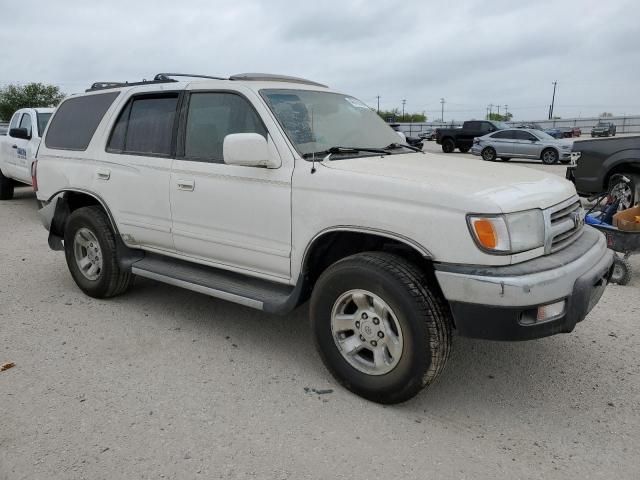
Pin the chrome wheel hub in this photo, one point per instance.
(366, 332)
(88, 254)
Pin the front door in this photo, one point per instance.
(233, 216)
(22, 152)
(10, 149)
(527, 144)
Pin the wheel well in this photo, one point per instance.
(333, 246)
(72, 201)
(620, 169)
(549, 148)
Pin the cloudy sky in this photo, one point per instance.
(471, 53)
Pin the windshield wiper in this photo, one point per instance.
(391, 146)
(343, 150)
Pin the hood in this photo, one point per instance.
(472, 182)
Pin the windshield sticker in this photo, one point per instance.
(355, 102)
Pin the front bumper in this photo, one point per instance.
(501, 303)
(476, 149)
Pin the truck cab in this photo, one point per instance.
(19, 146)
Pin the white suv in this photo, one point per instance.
(267, 191)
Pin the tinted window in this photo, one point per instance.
(145, 126)
(76, 121)
(486, 127)
(213, 116)
(26, 122)
(472, 125)
(522, 135)
(503, 134)
(43, 119)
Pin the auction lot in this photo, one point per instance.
(167, 383)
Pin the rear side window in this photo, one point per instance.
(522, 135)
(145, 126)
(76, 121)
(503, 134)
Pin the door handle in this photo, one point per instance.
(186, 185)
(103, 174)
(14, 146)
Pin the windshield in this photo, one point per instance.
(43, 119)
(602, 124)
(317, 121)
(542, 135)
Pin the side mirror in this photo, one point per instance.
(249, 150)
(20, 133)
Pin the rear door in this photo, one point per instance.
(502, 141)
(233, 216)
(134, 170)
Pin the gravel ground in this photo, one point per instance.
(166, 383)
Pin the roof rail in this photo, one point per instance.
(270, 77)
(166, 76)
(108, 85)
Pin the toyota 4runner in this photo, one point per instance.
(268, 190)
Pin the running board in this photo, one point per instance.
(234, 287)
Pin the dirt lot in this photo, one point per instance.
(166, 383)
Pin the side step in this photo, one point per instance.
(234, 287)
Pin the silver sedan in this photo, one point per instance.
(522, 143)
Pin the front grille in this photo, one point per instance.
(564, 224)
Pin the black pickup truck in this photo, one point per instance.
(600, 165)
(462, 138)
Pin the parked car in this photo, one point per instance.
(259, 202)
(576, 131)
(554, 132)
(428, 134)
(413, 141)
(599, 165)
(534, 126)
(462, 138)
(604, 129)
(19, 147)
(522, 143)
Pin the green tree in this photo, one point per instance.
(496, 117)
(14, 97)
(396, 116)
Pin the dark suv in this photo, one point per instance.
(604, 129)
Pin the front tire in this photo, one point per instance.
(448, 145)
(379, 329)
(90, 250)
(549, 156)
(464, 149)
(6, 187)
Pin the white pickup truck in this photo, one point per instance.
(19, 146)
(268, 191)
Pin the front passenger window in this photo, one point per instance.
(26, 123)
(213, 116)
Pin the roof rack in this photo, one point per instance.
(270, 77)
(108, 85)
(165, 76)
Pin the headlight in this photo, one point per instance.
(510, 233)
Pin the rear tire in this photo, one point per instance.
(448, 145)
(90, 250)
(394, 356)
(549, 156)
(6, 187)
(621, 274)
(629, 193)
(488, 154)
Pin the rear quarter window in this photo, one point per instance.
(76, 120)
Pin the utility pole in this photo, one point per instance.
(498, 109)
(490, 110)
(553, 100)
(506, 111)
(403, 102)
(378, 97)
(487, 117)
(442, 109)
